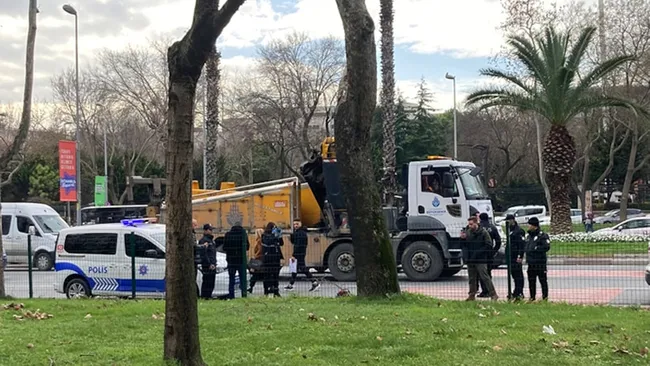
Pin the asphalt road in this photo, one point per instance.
(614, 285)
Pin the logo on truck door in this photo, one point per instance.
(436, 202)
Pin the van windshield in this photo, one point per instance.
(473, 185)
(50, 224)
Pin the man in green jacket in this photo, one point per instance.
(477, 253)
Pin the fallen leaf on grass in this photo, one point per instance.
(621, 351)
(497, 348)
(364, 318)
(379, 338)
(29, 345)
(336, 317)
(321, 319)
(18, 317)
(88, 316)
(644, 351)
(548, 329)
(157, 316)
(517, 313)
(594, 342)
(560, 344)
(277, 349)
(444, 320)
(503, 331)
(250, 320)
(311, 316)
(13, 306)
(269, 327)
(496, 313)
(480, 315)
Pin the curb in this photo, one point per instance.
(610, 261)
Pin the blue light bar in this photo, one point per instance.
(133, 222)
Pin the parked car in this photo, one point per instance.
(635, 226)
(17, 218)
(95, 260)
(576, 216)
(647, 268)
(522, 214)
(614, 216)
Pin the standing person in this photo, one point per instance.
(233, 246)
(496, 245)
(517, 251)
(255, 264)
(272, 257)
(589, 222)
(299, 239)
(478, 246)
(536, 247)
(208, 261)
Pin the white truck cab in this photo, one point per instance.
(95, 260)
(16, 220)
(450, 191)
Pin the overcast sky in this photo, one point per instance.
(431, 36)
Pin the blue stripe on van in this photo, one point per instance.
(62, 266)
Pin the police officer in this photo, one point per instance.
(517, 251)
(537, 245)
(496, 244)
(208, 261)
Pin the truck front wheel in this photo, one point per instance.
(341, 262)
(422, 261)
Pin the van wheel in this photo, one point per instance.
(43, 261)
(77, 288)
(341, 262)
(422, 261)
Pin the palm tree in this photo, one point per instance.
(553, 89)
(212, 78)
(388, 98)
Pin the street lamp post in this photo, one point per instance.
(70, 10)
(101, 106)
(453, 79)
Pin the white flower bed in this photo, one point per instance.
(600, 238)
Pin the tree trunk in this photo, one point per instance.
(212, 120)
(374, 259)
(540, 161)
(26, 116)
(185, 60)
(388, 100)
(629, 173)
(559, 155)
(3, 292)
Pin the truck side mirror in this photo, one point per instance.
(31, 230)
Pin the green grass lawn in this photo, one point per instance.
(409, 330)
(604, 249)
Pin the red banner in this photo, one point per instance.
(67, 171)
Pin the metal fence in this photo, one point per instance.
(581, 269)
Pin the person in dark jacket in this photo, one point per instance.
(537, 245)
(299, 239)
(272, 258)
(517, 251)
(477, 254)
(208, 261)
(496, 245)
(234, 242)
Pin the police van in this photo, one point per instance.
(96, 260)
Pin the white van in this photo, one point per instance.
(523, 213)
(95, 260)
(16, 220)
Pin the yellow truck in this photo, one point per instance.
(441, 193)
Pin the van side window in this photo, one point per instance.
(96, 243)
(6, 224)
(24, 223)
(141, 246)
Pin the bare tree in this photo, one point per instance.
(14, 150)
(185, 59)
(374, 259)
(294, 84)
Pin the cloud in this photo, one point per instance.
(461, 28)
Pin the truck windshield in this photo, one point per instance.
(51, 224)
(473, 185)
